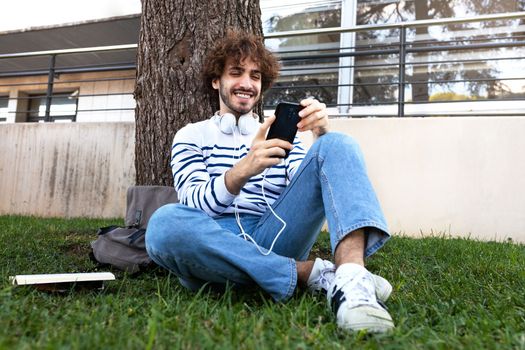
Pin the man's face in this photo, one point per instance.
(239, 87)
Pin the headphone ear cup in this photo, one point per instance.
(227, 123)
(247, 124)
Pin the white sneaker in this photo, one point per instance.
(353, 300)
(323, 274)
(383, 288)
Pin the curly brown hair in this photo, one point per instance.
(239, 46)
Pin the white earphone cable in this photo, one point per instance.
(243, 233)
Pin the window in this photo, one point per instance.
(4, 102)
(63, 107)
(469, 74)
(475, 61)
(302, 76)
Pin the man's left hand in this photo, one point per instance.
(313, 117)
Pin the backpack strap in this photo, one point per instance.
(138, 218)
(136, 235)
(106, 229)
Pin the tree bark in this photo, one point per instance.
(175, 36)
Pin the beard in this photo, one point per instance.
(241, 108)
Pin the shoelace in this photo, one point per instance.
(358, 290)
(325, 279)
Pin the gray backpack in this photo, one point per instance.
(124, 247)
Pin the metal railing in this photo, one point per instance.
(52, 84)
(366, 56)
(395, 56)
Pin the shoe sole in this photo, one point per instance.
(368, 318)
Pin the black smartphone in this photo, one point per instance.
(285, 125)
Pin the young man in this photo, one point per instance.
(227, 176)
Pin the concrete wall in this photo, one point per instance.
(458, 176)
(66, 170)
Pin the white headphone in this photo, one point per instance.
(247, 123)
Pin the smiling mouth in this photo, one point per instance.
(243, 94)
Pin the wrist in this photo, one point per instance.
(235, 178)
(241, 172)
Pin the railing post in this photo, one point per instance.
(401, 80)
(49, 93)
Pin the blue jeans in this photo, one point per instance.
(330, 183)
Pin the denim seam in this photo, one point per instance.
(333, 208)
(293, 280)
(369, 223)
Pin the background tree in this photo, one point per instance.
(378, 85)
(399, 11)
(175, 36)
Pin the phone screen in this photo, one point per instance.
(285, 125)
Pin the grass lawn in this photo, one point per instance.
(448, 294)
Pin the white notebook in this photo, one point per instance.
(62, 282)
(20, 280)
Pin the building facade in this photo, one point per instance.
(446, 64)
(363, 58)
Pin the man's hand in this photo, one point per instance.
(263, 154)
(313, 117)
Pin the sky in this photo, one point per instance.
(22, 14)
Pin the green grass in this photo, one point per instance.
(448, 294)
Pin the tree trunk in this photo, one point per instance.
(175, 36)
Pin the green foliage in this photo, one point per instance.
(448, 294)
(450, 96)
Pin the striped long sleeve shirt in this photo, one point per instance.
(200, 156)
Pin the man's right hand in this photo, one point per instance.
(263, 154)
